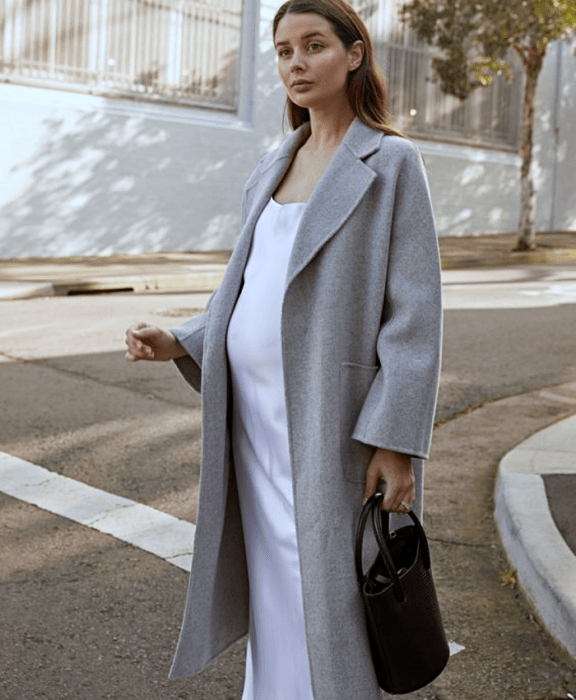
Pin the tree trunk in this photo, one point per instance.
(526, 233)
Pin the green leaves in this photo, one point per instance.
(474, 36)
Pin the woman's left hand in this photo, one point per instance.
(395, 469)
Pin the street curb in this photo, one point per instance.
(197, 281)
(11, 291)
(205, 277)
(545, 566)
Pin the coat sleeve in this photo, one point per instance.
(190, 335)
(398, 412)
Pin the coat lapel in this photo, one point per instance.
(338, 192)
(258, 193)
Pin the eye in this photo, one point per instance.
(314, 47)
(284, 53)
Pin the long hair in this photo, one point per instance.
(367, 92)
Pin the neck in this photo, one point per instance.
(329, 127)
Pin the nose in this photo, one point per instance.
(296, 64)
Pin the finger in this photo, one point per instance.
(371, 484)
(391, 501)
(140, 351)
(396, 498)
(135, 328)
(405, 503)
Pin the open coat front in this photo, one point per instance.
(361, 332)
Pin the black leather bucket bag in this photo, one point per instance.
(407, 638)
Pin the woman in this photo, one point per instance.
(324, 341)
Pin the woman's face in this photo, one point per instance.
(313, 62)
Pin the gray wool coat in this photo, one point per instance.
(361, 335)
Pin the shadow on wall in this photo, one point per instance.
(99, 182)
(123, 184)
(471, 198)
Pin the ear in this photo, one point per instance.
(355, 55)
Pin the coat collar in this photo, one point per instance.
(361, 139)
(338, 192)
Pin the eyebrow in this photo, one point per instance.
(305, 36)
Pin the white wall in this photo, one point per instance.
(83, 175)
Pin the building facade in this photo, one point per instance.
(131, 125)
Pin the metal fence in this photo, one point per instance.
(187, 52)
(488, 117)
(183, 51)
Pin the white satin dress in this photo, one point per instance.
(277, 666)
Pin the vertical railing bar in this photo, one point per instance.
(67, 58)
(93, 40)
(185, 53)
(149, 55)
(111, 42)
(64, 31)
(8, 35)
(137, 41)
(28, 45)
(31, 43)
(143, 23)
(25, 28)
(146, 44)
(86, 41)
(17, 37)
(158, 39)
(215, 68)
(196, 67)
(161, 82)
(128, 37)
(134, 34)
(102, 41)
(200, 51)
(53, 37)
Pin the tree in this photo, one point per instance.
(475, 38)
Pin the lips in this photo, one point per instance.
(298, 83)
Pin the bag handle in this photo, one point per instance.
(381, 526)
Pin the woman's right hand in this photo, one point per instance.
(146, 342)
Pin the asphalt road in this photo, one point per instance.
(86, 616)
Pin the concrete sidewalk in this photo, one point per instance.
(536, 485)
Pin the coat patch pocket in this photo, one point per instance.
(355, 382)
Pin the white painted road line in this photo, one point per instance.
(139, 525)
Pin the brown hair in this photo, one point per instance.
(366, 87)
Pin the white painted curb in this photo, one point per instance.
(11, 291)
(545, 565)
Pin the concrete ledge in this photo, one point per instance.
(25, 290)
(545, 565)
